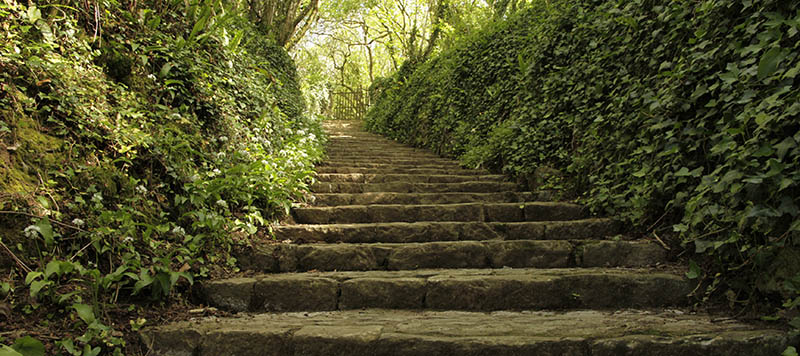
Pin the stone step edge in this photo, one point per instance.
(407, 178)
(410, 333)
(468, 212)
(339, 199)
(282, 258)
(448, 231)
(458, 289)
(401, 187)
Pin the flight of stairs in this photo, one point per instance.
(407, 253)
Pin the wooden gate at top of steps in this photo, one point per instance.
(349, 104)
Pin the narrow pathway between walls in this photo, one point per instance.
(407, 253)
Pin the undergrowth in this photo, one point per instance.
(139, 141)
(680, 117)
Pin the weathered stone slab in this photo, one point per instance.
(334, 199)
(464, 254)
(407, 178)
(555, 289)
(489, 212)
(621, 253)
(386, 293)
(527, 253)
(399, 170)
(338, 257)
(411, 333)
(553, 211)
(235, 294)
(400, 187)
(448, 231)
(455, 289)
(294, 293)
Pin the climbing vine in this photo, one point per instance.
(679, 117)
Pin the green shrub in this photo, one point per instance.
(679, 117)
(134, 160)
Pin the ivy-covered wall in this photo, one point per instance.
(680, 117)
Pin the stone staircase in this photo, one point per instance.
(407, 253)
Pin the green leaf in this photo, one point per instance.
(790, 351)
(8, 351)
(694, 270)
(53, 267)
(36, 287)
(85, 312)
(769, 62)
(31, 276)
(165, 69)
(28, 346)
(683, 172)
(47, 231)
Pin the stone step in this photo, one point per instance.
(473, 212)
(450, 289)
(400, 170)
(407, 178)
(384, 166)
(362, 141)
(427, 198)
(401, 232)
(400, 187)
(371, 151)
(441, 162)
(378, 332)
(277, 258)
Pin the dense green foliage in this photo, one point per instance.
(138, 141)
(677, 116)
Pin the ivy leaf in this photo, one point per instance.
(28, 346)
(683, 172)
(769, 62)
(694, 270)
(790, 351)
(784, 147)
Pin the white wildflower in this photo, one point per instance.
(32, 231)
(127, 239)
(223, 138)
(141, 189)
(177, 230)
(78, 222)
(216, 171)
(222, 203)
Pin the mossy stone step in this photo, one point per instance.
(407, 178)
(401, 187)
(393, 162)
(372, 152)
(450, 289)
(275, 258)
(399, 170)
(448, 231)
(378, 332)
(390, 166)
(473, 212)
(333, 199)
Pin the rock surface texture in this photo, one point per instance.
(406, 253)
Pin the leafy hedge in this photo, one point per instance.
(136, 153)
(678, 116)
